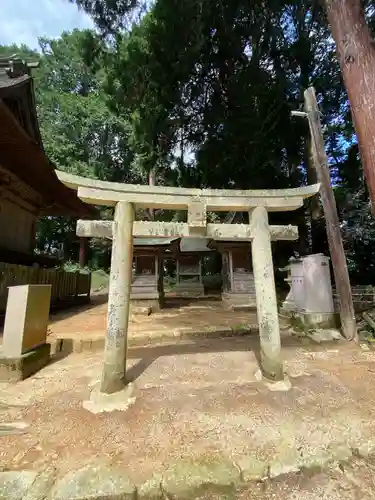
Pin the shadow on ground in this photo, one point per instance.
(149, 354)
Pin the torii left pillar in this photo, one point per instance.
(113, 377)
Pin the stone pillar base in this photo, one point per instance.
(101, 402)
(318, 320)
(16, 369)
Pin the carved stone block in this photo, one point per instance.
(197, 216)
(26, 319)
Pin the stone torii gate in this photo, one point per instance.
(127, 197)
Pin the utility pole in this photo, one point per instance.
(336, 247)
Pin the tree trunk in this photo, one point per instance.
(356, 52)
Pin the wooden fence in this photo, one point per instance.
(363, 298)
(66, 286)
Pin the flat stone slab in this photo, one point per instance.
(94, 482)
(189, 478)
(14, 485)
(353, 479)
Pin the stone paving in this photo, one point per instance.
(202, 426)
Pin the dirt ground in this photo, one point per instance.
(90, 320)
(194, 402)
(201, 402)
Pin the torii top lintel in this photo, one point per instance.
(176, 198)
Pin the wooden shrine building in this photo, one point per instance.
(189, 269)
(29, 187)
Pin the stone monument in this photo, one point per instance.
(310, 297)
(24, 350)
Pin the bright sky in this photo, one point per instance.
(24, 21)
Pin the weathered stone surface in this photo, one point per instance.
(16, 369)
(188, 477)
(151, 489)
(96, 482)
(324, 335)
(197, 215)
(14, 485)
(42, 485)
(157, 229)
(95, 228)
(101, 402)
(252, 469)
(109, 193)
(26, 319)
(365, 449)
(115, 349)
(13, 428)
(269, 331)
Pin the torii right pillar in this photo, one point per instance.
(268, 319)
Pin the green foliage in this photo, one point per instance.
(199, 93)
(81, 135)
(99, 280)
(210, 88)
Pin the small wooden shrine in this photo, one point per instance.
(148, 269)
(237, 270)
(189, 269)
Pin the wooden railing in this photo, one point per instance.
(66, 286)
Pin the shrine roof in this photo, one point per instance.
(17, 93)
(154, 242)
(194, 245)
(21, 148)
(187, 245)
